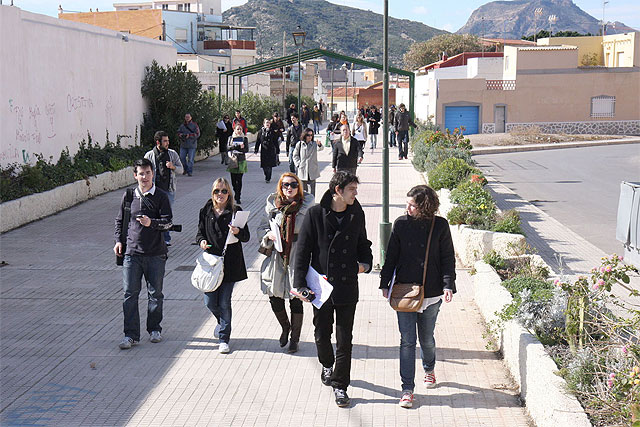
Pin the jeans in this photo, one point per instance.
(219, 303)
(267, 172)
(292, 166)
(403, 143)
(134, 267)
(392, 138)
(323, 322)
(316, 127)
(236, 183)
(188, 165)
(309, 186)
(373, 139)
(426, 323)
(172, 198)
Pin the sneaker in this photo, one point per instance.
(126, 343)
(216, 332)
(399, 157)
(325, 376)
(407, 399)
(224, 348)
(167, 243)
(430, 379)
(342, 399)
(155, 336)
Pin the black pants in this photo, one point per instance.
(236, 183)
(267, 172)
(323, 322)
(277, 304)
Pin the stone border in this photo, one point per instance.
(552, 146)
(544, 392)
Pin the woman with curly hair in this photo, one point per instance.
(405, 256)
(287, 207)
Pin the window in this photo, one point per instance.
(221, 68)
(603, 106)
(187, 7)
(165, 7)
(180, 8)
(181, 35)
(211, 11)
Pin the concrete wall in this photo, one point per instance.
(71, 79)
(146, 23)
(585, 45)
(486, 68)
(534, 58)
(181, 21)
(622, 50)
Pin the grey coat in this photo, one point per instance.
(305, 157)
(175, 159)
(275, 279)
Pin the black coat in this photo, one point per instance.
(406, 252)
(374, 123)
(333, 250)
(344, 160)
(267, 144)
(223, 136)
(214, 231)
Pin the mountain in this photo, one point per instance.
(342, 29)
(514, 19)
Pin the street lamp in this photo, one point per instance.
(552, 20)
(346, 80)
(537, 13)
(298, 38)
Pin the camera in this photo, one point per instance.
(176, 228)
(119, 260)
(307, 294)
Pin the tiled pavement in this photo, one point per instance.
(61, 320)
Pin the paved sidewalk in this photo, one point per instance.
(61, 321)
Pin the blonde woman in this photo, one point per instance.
(213, 227)
(287, 207)
(359, 130)
(238, 145)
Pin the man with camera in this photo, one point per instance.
(166, 164)
(145, 213)
(333, 240)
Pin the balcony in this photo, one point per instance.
(229, 44)
(501, 85)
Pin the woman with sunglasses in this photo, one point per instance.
(213, 227)
(238, 146)
(287, 208)
(305, 158)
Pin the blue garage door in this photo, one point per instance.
(454, 117)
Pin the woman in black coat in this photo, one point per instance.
(405, 256)
(213, 228)
(223, 132)
(267, 144)
(374, 124)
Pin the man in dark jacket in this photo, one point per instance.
(347, 152)
(401, 122)
(293, 136)
(188, 133)
(333, 240)
(146, 253)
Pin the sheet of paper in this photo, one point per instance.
(319, 285)
(275, 229)
(239, 220)
(393, 279)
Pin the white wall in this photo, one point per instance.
(62, 79)
(485, 68)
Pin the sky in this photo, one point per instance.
(434, 13)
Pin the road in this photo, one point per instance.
(579, 187)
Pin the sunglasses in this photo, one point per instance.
(309, 134)
(223, 191)
(293, 185)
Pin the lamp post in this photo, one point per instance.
(346, 80)
(298, 39)
(537, 13)
(385, 225)
(552, 20)
(353, 83)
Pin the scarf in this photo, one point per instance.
(346, 144)
(287, 228)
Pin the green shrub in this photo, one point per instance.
(540, 289)
(433, 147)
(495, 260)
(450, 173)
(509, 222)
(475, 206)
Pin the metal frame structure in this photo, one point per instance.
(306, 55)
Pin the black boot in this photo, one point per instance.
(286, 326)
(296, 328)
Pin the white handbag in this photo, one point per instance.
(209, 272)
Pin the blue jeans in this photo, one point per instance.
(426, 323)
(134, 267)
(172, 198)
(403, 143)
(392, 138)
(219, 303)
(316, 127)
(188, 165)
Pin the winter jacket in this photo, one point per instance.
(402, 121)
(305, 158)
(214, 231)
(342, 160)
(188, 133)
(175, 159)
(240, 121)
(293, 135)
(267, 144)
(374, 123)
(223, 135)
(406, 251)
(275, 279)
(333, 250)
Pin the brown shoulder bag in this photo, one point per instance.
(408, 297)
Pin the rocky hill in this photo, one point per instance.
(345, 30)
(514, 19)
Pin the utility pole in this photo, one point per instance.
(284, 71)
(385, 225)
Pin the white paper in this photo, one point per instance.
(393, 279)
(239, 220)
(319, 285)
(275, 229)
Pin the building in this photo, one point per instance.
(544, 87)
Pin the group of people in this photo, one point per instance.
(330, 237)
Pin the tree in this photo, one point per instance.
(171, 92)
(544, 33)
(429, 51)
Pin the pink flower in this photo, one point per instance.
(610, 383)
(607, 269)
(625, 350)
(596, 286)
(601, 269)
(600, 282)
(620, 258)
(612, 375)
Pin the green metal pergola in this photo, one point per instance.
(306, 55)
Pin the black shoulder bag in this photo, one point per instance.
(124, 230)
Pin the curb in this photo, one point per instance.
(554, 146)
